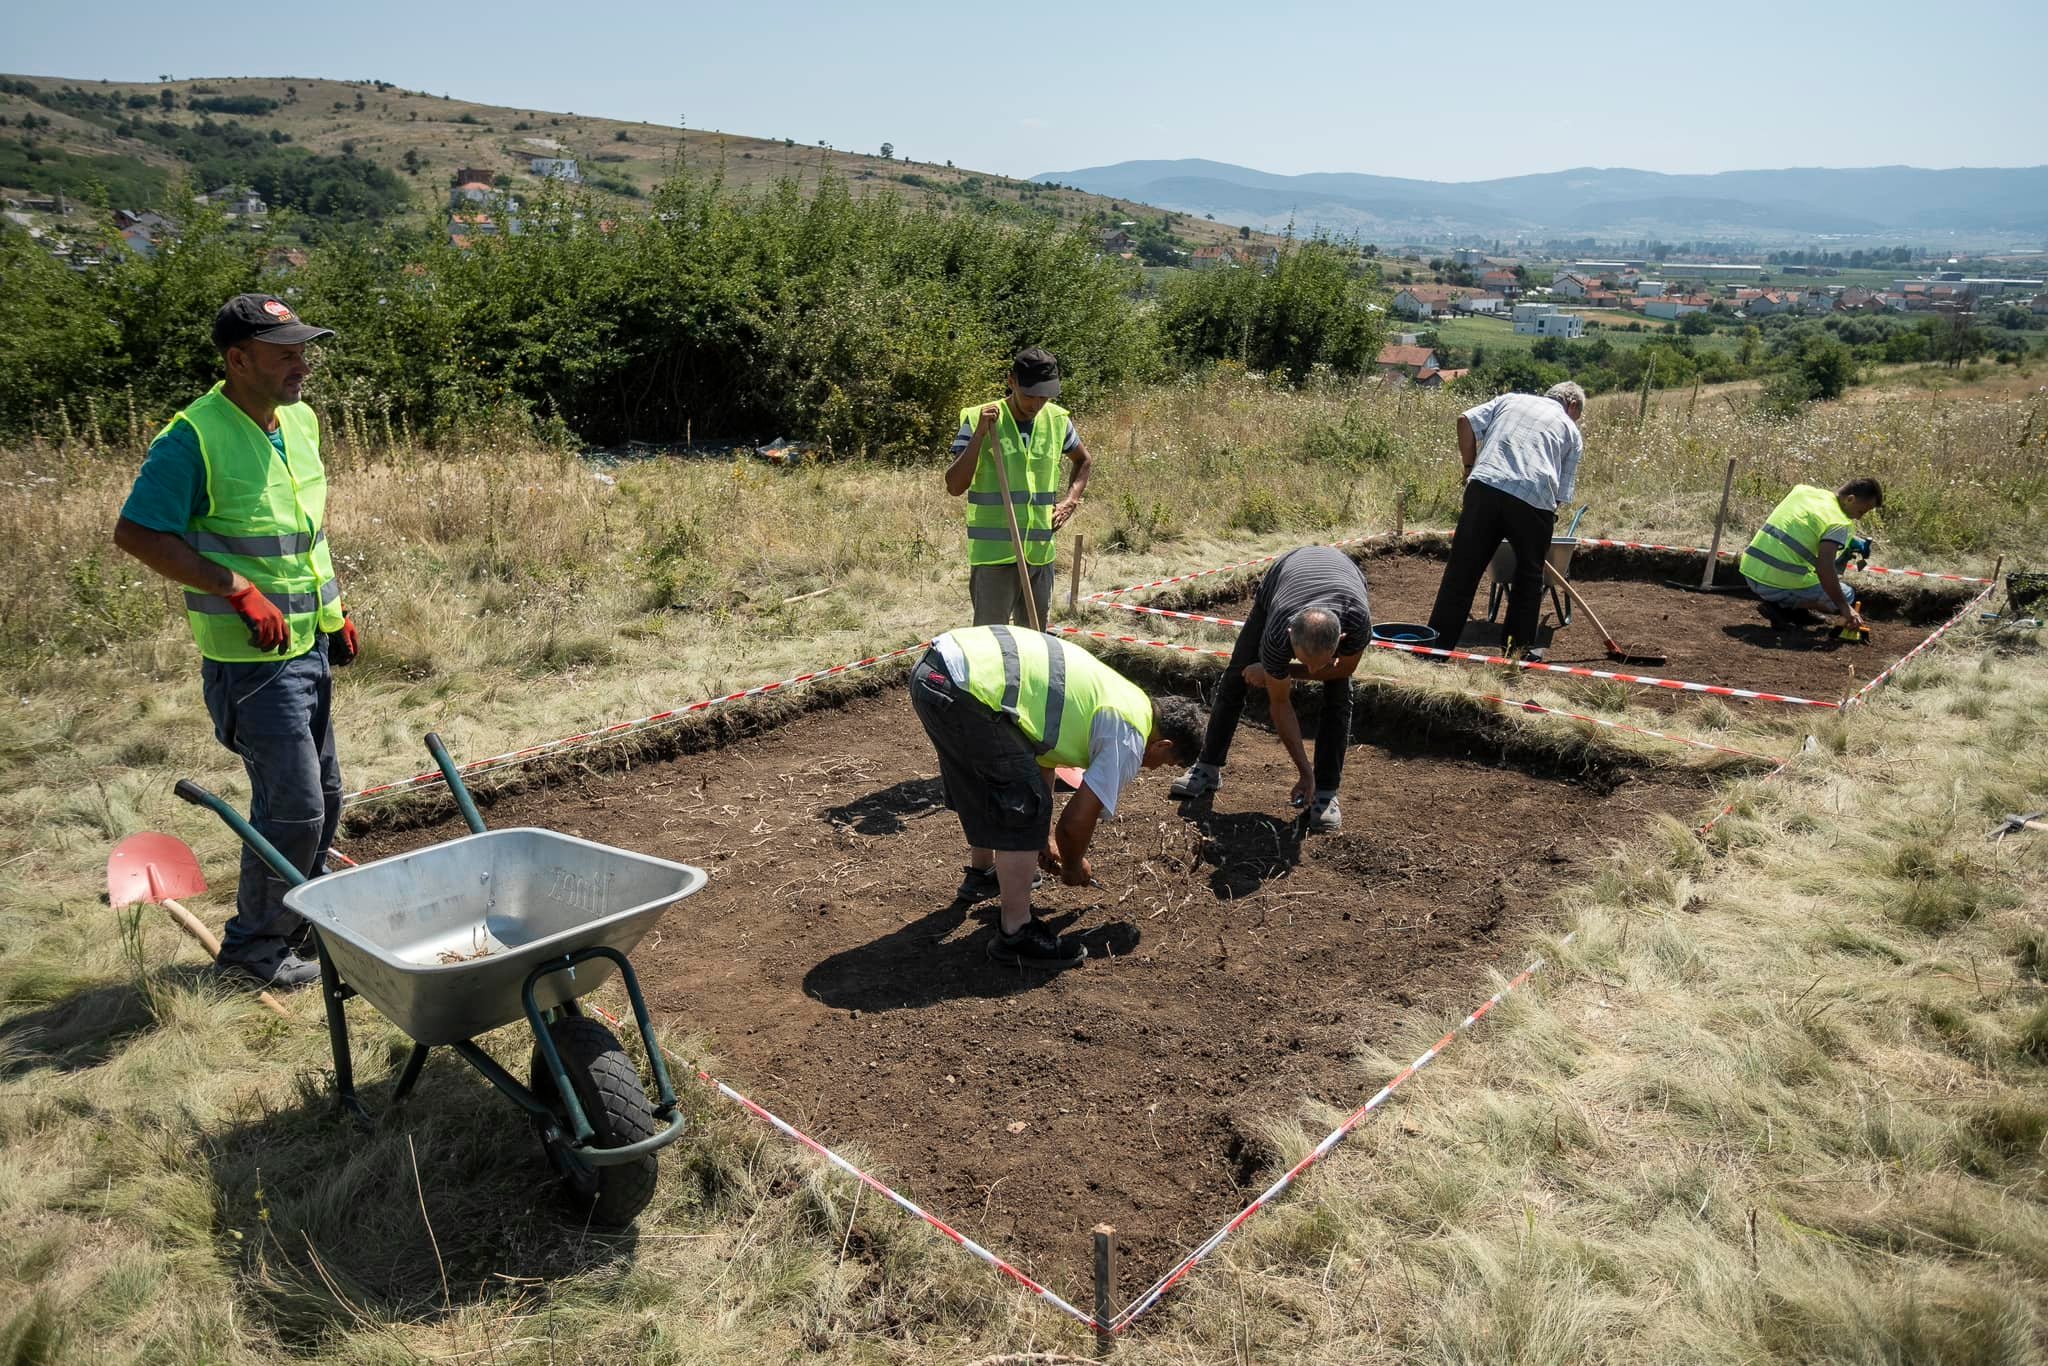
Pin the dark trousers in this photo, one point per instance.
(277, 715)
(1333, 726)
(1488, 518)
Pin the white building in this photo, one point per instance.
(1649, 289)
(557, 168)
(1543, 320)
(1482, 303)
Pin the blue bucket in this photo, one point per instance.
(1403, 633)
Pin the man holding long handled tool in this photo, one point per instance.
(1521, 456)
(1002, 708)
(1014, 503)
(231, 502)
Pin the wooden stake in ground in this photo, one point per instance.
(1105, 1287)
(1016, 540)
(1074, 584)
(1400, 514)
(1714, 546)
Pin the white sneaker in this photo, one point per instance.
(1325, 816)
(1199, 781)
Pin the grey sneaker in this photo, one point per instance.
(288, 973)
(1199, 781)
(1325, 816)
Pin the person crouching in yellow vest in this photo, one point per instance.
(1003, 708)
(1791, 563)
(231, 502)
(1028, 433)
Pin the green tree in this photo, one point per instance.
(1695, 325)
(888, 151)
(1311, 309)
(1751, 346)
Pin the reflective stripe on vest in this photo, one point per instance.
(264, 519)
(1786, 553)
(1033, 468)
(297, 543)
(291, 604)
(1050, 688)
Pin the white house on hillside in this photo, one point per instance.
(1543, 320)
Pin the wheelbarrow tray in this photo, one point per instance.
(441, 940)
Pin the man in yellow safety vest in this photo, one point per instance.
(231, 502)
(1029, 433)
(1003, 708)
(1791, 564)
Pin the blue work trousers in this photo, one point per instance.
(277, 715)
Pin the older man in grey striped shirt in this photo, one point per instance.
(1521, 457)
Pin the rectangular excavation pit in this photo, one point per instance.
(840, 988)
(1710, 638)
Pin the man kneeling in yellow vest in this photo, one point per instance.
(1003, 708)
(1791, 562)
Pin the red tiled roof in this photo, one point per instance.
(1419, 356)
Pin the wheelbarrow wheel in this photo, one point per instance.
(607, 1086)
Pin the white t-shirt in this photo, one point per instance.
(1116, 751)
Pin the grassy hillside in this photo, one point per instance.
(425, 137)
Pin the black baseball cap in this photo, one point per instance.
(264, 318)
(1036, 372)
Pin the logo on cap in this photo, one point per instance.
(278, 311)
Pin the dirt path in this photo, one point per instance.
(1240, 967)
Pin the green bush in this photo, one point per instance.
(1310, 309)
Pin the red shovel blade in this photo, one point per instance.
(152, 867)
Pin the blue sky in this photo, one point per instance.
(1456, 92)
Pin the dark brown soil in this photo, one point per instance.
(1708, 638)
(1237, 967)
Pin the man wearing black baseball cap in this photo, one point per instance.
(1029, 433)
(231, 502)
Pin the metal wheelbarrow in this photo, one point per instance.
(459, 938)
(1501, 574)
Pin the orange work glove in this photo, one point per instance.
(343, 645)
(268, 630)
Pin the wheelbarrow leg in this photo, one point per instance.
(407, 1078)
(334, 994)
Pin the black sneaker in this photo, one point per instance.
(1035, 945)
(981, 884)
(288, 973)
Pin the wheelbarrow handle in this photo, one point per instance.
(265, 850)
(463, 801)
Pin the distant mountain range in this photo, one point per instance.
(1992, 205)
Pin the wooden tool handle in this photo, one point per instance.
(1016, 539)
(194, 926)
(1573, 594)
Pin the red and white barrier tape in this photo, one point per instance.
(1138, 640)
(1188, 1263)
(1737, 554)
(1579, 671)
(1222, 569)
(1469, 657)
(1863, 693)
(790, 1131)
(591, 737)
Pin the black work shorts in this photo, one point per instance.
(993, 781)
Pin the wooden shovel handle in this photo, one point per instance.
(1573, 594)
(194, 926)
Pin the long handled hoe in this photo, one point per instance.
(1070, 776)
(1614, 651)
